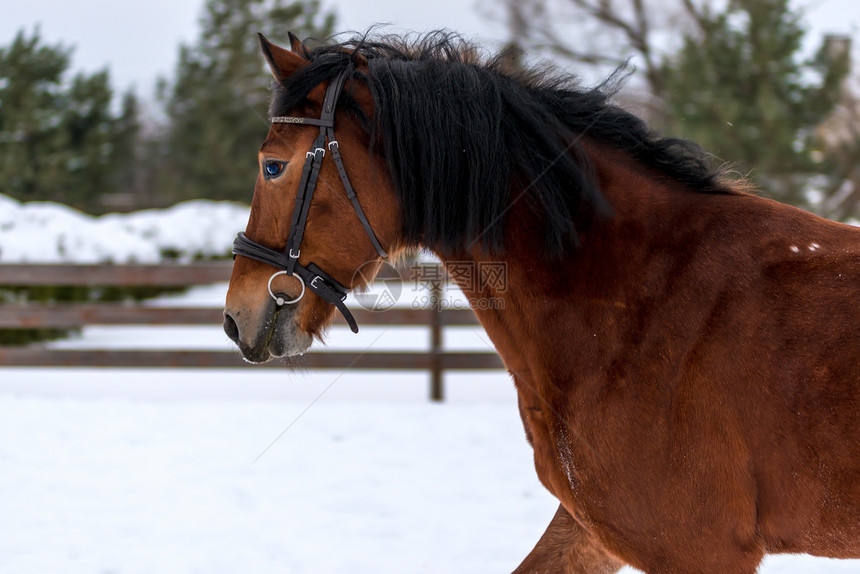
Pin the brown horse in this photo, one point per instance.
(686, 354)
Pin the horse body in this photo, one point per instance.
(690, 380)
(689, 376)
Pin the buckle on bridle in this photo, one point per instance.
(314, 282)
(296, 254)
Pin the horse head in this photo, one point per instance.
(323, 208)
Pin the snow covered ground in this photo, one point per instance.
(106, 485)
(210, 472)
(133, 471)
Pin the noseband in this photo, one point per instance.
(310, 275)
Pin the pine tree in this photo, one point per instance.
(58, 137)
(87, 129)
(217, 105)
(741, 89)
(32, 165)
(128, 153)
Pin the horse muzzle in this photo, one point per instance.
(272, 332)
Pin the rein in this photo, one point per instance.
(310, 275)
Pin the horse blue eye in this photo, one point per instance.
(273, 168)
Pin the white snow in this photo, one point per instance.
(43, 232)
(138, 471)
(132, 471)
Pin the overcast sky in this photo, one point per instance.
(139, 40)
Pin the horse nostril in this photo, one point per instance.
(231, 328)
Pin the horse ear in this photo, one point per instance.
(281, 62)
(296, 45)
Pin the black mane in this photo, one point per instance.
(465, 135)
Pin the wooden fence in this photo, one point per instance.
(33, 315)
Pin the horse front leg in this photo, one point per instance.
(567, 548)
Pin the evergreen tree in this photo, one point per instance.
(740, 88)
(217, 105)
(57, 138)
(87, 132)
(129, 152)
(32, 165)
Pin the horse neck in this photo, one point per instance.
(576, 296)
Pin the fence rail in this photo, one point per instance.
(33, 315)
(72, 315)
(164, 275)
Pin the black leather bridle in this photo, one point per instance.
(310, 275)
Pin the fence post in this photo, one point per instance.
(437, 390)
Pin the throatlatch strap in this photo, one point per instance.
(350, 193)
